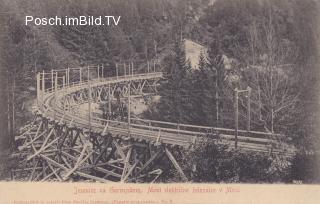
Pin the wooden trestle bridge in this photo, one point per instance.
(68, 143)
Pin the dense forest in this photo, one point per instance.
(271, 46)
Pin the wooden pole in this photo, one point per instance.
(38, 89)
(68, 77)
(129, 71)
(52, 80)
(125, 69)
(217, 98)
(64, 83)
(148, 65)
(259, 101)
(109, 100)
(236, 116)
(65, 80)
(89, 101)
(248, 109)
(43, 88)
(98, 72)
(102, 74)
(129, 106)
(117, 71)
(80, 71)
(55, 95)
(132, 68)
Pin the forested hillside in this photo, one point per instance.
(147, 29)
(272, 47)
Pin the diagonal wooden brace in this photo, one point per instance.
(176, 165)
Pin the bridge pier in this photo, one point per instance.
(58, 151)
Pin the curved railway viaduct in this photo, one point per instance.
(66, 142)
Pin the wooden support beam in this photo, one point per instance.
(39, 175)
(33, 139)
(33, 169)
(103, 151)
(154, 172)
(152, 159)
(44, 145)
(38, 89)
(93, 177)
(55, 95)
(54, 171)
(77, 172)
(248, 109)
(109, 100)
(43, 90)
(98, 71)
(68, 77)
(89, 101)
(236, 116)
(80, 160)
(176, 165)
(158, 138)
(126, 164)
(124, 179)
(109, 173)
(62, 139)
(42, 149)
(102, 74)
(119, 150)
(31, 142)
(117, 71)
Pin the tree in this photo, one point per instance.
(210, 160)
(270, 71)
(175, 104)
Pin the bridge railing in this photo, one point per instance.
(205, 129)
(55, 80)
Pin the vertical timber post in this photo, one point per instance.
(129, 72)
(68, 77)
(102, 71)
(217, 98)
(89, 101)
(55, 94)
(43, 90)
(117, 71)
(98, 72)
(236, 116)
(248, 109)
(125, 69)
(80, 73)
(52, 80)
(148, 67)
(132, 68)
(38, 89)
(65, 80)
(109, 101)
(129, 106)
(259, 101)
